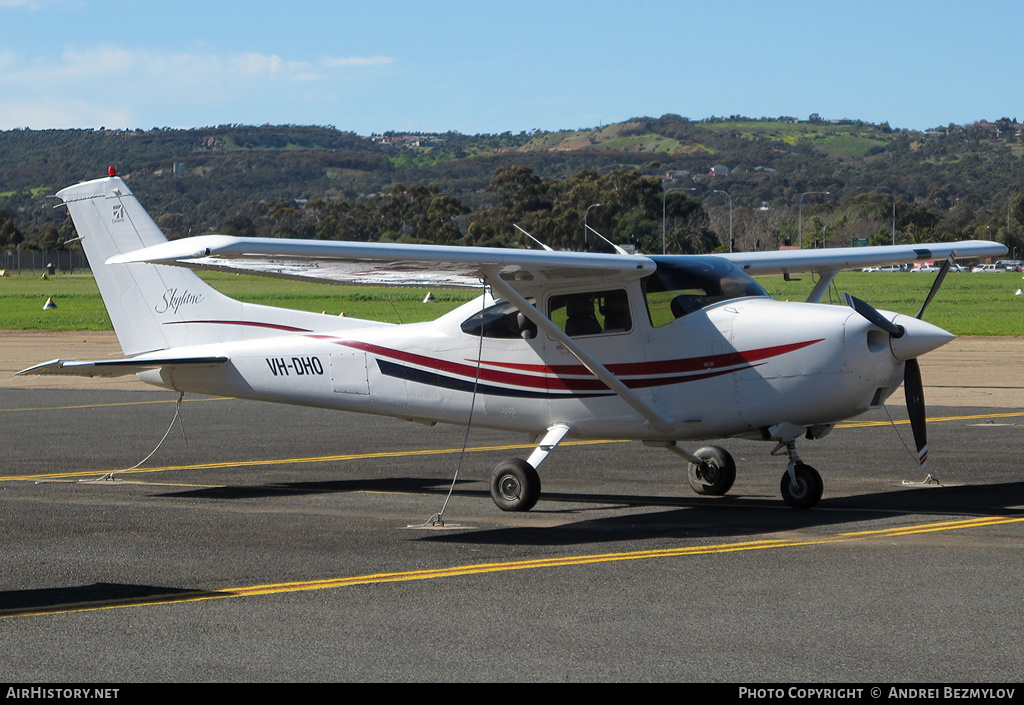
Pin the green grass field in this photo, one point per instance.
(967, 304)
(79, 306)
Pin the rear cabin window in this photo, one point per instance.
(591, 313)
(502, 320)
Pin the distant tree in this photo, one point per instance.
(239, 225)
(520, 189)
(10, 235)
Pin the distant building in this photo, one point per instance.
(408, 141)
(719, 170)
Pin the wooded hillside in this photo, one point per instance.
(769, 181)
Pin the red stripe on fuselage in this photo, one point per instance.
(254, 324)
(661, 367)
(550, 377)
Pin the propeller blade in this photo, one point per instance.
(873, 316)
(936, 284)
(913, 387)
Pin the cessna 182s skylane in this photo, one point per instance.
(658, 349)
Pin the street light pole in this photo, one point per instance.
(585, 213)
(730, 215)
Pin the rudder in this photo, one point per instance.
(110, 221)
(153, 307)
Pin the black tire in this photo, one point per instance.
(723, 472)
(515, 485)
(808, 487)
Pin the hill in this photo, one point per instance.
(768, 174)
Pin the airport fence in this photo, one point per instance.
(66, 261)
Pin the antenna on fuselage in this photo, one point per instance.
(618, 250)
(532, 237)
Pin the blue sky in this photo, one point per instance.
(490, 66)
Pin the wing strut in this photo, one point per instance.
(657, 421)
(825, 279)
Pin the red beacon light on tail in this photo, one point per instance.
(111, 171)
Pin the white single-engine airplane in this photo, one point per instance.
(658, 349)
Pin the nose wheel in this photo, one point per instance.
(801, 487)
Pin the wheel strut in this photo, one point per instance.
(794, 459)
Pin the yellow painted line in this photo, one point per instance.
(498, 567)
(932, 419)
(411, 453)
(119, 403)
(290, 461)
(938, 526)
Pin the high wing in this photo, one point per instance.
(524, 270)
(826, 263)
(838, 258)
(388, 263)
(439, 265)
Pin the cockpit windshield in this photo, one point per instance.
(682, 285)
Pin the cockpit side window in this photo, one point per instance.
(591, 313)
(687, 284)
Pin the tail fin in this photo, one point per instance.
(153, 307)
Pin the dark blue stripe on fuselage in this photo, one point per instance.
(433, 379)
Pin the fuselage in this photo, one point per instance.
(732, 368)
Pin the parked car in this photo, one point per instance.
(932, 268)
(1010, 265)
(988, 268)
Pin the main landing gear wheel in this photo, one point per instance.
(808, 487)
(515, 485)
(717, 479)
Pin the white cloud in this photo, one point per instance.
(347, 61)
(105, 85)
(57, 113)
(30, 4)
(76, 63)
(255, 65)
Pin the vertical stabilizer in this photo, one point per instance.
(154, 307)
(139, 299)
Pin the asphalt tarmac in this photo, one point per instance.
(289, 544)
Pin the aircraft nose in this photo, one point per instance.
(919, 338)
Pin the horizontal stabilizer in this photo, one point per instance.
(115, 368)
